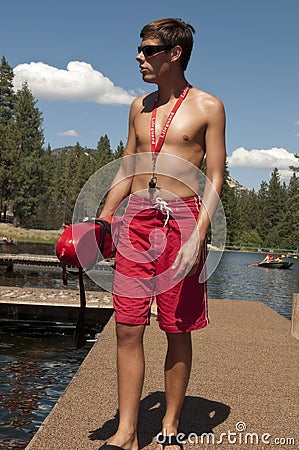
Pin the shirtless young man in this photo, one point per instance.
(162, 187)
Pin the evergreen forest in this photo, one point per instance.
(39, 185)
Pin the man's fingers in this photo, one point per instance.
(177, 260)
(183, 269)
(193, 270)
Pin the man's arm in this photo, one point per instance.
(188, 257)
(121, 186)
(215, 167)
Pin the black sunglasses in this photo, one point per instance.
(151, 50)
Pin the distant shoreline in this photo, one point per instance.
(19, 234)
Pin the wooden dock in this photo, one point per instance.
(56, 305)
(243, 391)
(9, 260)
(37, 304)
(29, 260)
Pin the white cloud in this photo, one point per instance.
(68, 133)
(262, 159)
(79, 82)
(285, 175)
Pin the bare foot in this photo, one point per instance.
(126, 441)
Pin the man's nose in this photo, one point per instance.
(140, 56)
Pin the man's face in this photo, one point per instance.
(153, 58)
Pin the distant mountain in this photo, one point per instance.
(62, 151)
(234, 184)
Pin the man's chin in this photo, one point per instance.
(148, 79)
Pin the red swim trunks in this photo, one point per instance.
(152, 233)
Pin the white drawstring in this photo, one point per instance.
(164, 208)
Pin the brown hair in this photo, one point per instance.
(172, 32)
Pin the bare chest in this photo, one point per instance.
(183, 136)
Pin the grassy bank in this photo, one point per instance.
(19, 234)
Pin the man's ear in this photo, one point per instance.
(176, 53)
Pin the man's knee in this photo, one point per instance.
(179, 341)
(129, 334)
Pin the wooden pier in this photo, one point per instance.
(243, 391)
(56, 305)
(9, 260)
(18, 303)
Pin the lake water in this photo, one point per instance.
(35, 370)
(233, 279)
(38, 362)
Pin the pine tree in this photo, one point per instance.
(248, 219)
(120, 150)
(69, 192)
(7, 135)
(83, 172)
(10, 166)
(275, 204)
(229, 201)
(49, 211)
(263, 223)
(292, 207)
(104, 154)
(295, 168)
(30, 184)
(7, 95)
(273, 208)
(58, 192)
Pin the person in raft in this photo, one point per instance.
(162, 241)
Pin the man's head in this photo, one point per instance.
(171, 32)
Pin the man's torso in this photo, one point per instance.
(181, 156)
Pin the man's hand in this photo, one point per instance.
(106, 218)
(188, 257)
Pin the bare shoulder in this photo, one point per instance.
(207, 103)
(144, 101)
(136, 103)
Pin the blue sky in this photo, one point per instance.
(79, 61)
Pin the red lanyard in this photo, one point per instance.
(156, 148)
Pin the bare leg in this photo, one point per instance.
(130, 373)
(177, 372)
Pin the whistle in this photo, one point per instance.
(152, 184)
